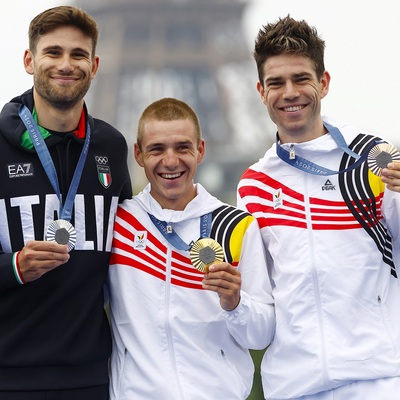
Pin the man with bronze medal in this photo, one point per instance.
(188, 277)
(325, 198)
(56, 217)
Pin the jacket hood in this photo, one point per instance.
(202, 204)
(12, 127)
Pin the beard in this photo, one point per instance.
(58, 96)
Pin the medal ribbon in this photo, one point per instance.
(175, 239)
(48, 165)
(315, 169)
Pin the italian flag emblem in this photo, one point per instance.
(104, 175)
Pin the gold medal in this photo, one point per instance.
(380, 156)
(62, 232)
(206, 252)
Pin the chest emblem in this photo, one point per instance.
(103, 171)
(278, 201)
(328, 186)
(140, 240)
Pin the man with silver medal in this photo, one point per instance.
(57, 212)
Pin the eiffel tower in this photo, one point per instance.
(194, 50)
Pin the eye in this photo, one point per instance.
(302, 79)
(80, 55)
(155, 150)
(53, 53)
(183, 147)
(273, 84)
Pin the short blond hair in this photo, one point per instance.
(167, 109)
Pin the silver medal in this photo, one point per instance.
(62, 232)
(380, 156)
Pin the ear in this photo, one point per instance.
(201, 151)
(261, 90)
(95, 65)
(28, 62)
(138, 155)
(324, 82)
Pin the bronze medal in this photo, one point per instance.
(380, 156)
(206, 252)
(62, 232)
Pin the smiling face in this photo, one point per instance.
(292, 93)
(169, 153)
(62, 67)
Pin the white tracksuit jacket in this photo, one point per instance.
(172, 340)
(333, 242)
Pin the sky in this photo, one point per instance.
(362, 53)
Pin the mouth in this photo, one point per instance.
(292, 108)
(65, 78)
(170, 176)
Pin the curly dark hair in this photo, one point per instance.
(289, 36)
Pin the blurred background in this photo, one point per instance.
(200, 51)
(192, 50)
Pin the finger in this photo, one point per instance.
(46, 246)
(221, 280)
(40, 257)
(224, 282)
(223, 267)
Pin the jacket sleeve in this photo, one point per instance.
(391, 212)
(239, 202)
(252, 322)
(126, 191)
(7, 275)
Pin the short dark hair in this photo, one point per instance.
(289, 36)
(56, 17)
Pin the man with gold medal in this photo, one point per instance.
(189, 286)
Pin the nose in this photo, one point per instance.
(170, 159)
(290, 91)
(65, 64)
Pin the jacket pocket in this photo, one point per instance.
(385, 317)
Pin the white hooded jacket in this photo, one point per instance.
(172, 340)
(333, 242)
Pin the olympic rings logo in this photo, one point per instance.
(101, 160)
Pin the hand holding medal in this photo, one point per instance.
(380, 156)
(205, 252)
